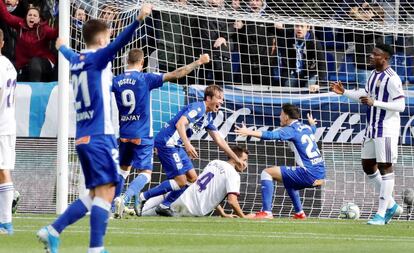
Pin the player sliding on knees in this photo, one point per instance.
(136, 143)
(310, 169)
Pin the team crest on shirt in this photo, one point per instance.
(82, 57)
(378, 83)
(193, 113)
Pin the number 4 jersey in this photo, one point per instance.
(8, 77)
(218, 179)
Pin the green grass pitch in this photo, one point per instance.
(211, 234)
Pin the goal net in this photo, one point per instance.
(264, 54)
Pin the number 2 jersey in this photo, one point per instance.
(132, 91)
(303, 144)
(218, 179)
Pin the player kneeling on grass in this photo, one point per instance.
(218, 180)
(310, 169)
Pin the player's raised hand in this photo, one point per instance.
(366, 101)
(191, 151)
(312, 121)
(243, 131)
(337, 87)
(59, 42)
(204, 58)
(145, 11)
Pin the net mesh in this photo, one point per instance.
(255, 47)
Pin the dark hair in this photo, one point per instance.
(135, 55)
(211, 91)
(385, 48)
(1, 35)
(291, 110)
(91, 28)
(238, 150)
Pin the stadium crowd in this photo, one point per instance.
(242, 52)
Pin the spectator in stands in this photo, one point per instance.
(79, 18)
(16, 8)
(361, 43)
(301, 58)
(177, 40)
(216, 40)
(108, 14)
(255, 45)
(34, 60)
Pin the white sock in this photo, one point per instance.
(375, 179)
(6, 201)
(95, 250)
(387, 187)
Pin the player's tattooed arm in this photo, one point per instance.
(183, 71)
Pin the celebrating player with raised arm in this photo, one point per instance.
(385, 99)
(218, 180)
(8, 76)
(132, 92)
(95, 140)
(310, 169)
(174, 147)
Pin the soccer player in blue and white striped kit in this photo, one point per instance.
(132, 91)
(95, 140)
(310, 166)
(385, 98)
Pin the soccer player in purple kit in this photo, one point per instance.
(95, 141)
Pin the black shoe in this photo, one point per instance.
(167, 212)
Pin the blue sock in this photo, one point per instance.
(267, 194)
(294, 196)
(98, 221)
(74, 212)
(174, 195)
(135, 187)
(160, 189)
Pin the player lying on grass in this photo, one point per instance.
(218, 180)
(310, 167)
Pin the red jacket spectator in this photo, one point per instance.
(33, 37)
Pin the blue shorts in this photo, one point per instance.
(296, 177)
(138, 156)
(174, 161)
(98, 155)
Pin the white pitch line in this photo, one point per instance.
(290, 235)
(246, 233)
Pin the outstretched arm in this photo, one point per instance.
(338, 88)
(225, 147)
(223, 214)
(183, 71)
(67, 52)
(312, 122)
(9, 19)
(397, 105)
(105, 55)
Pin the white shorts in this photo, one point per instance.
(7, 152)
(383, 149)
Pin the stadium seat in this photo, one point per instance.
(346, 71)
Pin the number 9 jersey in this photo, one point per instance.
(133, 97)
